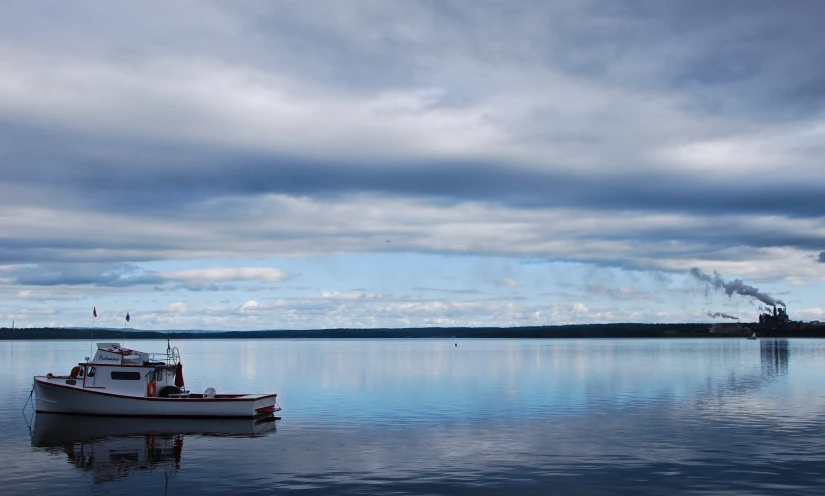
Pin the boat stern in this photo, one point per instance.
(266, 405)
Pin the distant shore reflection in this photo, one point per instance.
(774, 356)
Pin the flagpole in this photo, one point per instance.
(123, 342)
(91, 344)
(92, 340)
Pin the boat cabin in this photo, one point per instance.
(128, 372)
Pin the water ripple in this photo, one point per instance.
(718, 416)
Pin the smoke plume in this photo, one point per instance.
(734, 286)
(714, 315)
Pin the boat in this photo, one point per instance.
(752, 336)
(123, 382)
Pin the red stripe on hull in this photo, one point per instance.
(238, 397)
(242, 417)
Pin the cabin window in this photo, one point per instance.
(91, 372)
(159, 375)
(126, 376)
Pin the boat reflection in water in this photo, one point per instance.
(112, 448)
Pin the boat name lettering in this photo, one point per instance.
(111, 359)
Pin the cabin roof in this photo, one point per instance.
(138, 365)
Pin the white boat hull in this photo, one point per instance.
(53, 397)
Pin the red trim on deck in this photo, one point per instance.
(98, 364)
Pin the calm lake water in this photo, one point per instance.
(720, 416)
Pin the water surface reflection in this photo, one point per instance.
(720, 416)
(112, 449)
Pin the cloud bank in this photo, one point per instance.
(639, 135)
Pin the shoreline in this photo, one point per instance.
(585, 331)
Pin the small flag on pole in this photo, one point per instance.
(94, 312)
(127, 316)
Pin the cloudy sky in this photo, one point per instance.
(294, 164)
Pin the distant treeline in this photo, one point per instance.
(562, 331)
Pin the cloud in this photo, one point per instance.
(344, 310)
(452, 291)
(178, 307)
(510, 283)
(223, 124)
(618, 133)
(621, 293)
(821, 258)
(279, 226)
(250, 304)
(30, 295)
(122, 275)
(208, 277)
(580, 307)
(71, 274)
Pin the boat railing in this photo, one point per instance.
(171, 357)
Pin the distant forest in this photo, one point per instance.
(562, 331)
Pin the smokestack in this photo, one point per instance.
(735, 286)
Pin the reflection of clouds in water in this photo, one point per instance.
(608, 452)
(250, 359)
(377, 379)
(772, 397)
(597, 416)
(649, 449)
